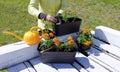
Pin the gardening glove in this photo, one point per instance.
(51, 19)
(42, 16)
(47, 17)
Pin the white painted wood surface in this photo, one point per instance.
(106, 59)
(65, 68)
(79, 67)
(41, 67)
(110, 48)
(89, 64)
(15, 53)
(102, 64)
(109, 35)
(29, 67)
(22, 67)
(97, 61)
(18, 68)
(64, 37)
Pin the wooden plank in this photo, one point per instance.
(106, 59)
(89, 64)
(109, 48)
(102, 64)
(15, 53)
(29, 67)
(41, 67)
(79, 68)
(18, 68)
(64, 37)
(65, 67)
(109, 35)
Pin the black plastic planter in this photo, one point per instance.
(82, 50)
(73, 25)
(57, 57)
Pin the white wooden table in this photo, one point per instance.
(104, 56)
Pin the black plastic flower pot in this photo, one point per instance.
(71, 26)
(57, 57)
(82, 49)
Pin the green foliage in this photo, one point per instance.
(66, 46)
(85, 38)
(54, 43)
(14, 18)
(97, 12)
(69, 13)
(45, 44)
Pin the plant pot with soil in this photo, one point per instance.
(68, 23)
(84, 39)
(53, 51)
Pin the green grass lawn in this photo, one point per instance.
(5, 70)
(15, 18)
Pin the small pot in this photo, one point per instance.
(82, 49)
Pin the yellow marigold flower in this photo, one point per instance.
(84, 31)
(55, 40)
(87, 43)
(45, 35)
(51, 34)
(65, 11)
(57, 43)
(71, 42)
(70, 38)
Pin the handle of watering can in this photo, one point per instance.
(36, 27)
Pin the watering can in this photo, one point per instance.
(31, 37)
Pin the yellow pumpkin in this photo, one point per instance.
(31, 37)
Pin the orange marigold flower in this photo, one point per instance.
(55, 40)
(84, 31)
(45, 35)
(51, 34)
(71, 42)
(87, 43)
(65, 11)
(57, 43)
(70, 38)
